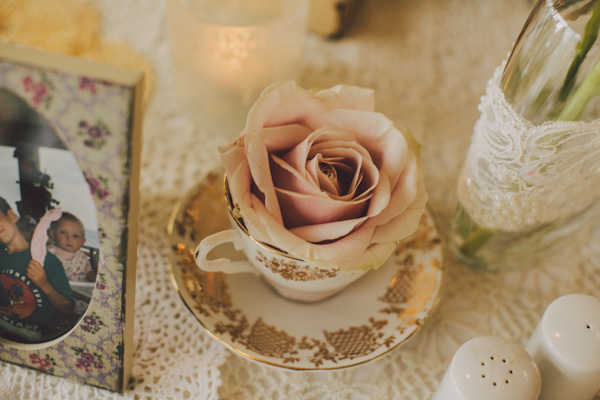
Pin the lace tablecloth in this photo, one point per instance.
(428, 62)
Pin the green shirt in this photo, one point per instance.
(22, 304)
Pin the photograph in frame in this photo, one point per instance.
(70, 146)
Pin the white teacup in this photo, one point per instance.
(293, 278)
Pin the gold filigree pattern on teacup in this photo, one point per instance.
(265, 339)
(294, 271)
(357, 341)
(347, 344)
(404, 300)
(410, 291)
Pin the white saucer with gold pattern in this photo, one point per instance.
(366, 320)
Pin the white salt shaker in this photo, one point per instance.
(566, 348)
(490, 368)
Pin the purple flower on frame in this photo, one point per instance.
(87, 360)
(93, 183)
(43, 364)
(86, 83)
(28, 83)
(40, 90)
(97, 186)
(94, 134)
(92, 323)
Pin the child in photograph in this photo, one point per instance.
(67, 236)
(32, 294)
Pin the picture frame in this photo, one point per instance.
(70, 144)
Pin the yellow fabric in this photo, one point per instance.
(68, 27)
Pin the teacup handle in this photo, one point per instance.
(222, 264)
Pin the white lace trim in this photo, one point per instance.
(518, 175)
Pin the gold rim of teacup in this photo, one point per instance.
(240, 223)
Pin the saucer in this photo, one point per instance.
(366, 320)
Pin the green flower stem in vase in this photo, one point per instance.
(531, 179)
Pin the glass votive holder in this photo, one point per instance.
(225, 52)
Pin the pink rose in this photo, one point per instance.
(324, 177)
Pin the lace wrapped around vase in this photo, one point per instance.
(518, 175)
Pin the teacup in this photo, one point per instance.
(291, 277)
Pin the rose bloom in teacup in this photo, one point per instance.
(324, 178)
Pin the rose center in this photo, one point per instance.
(328, 171)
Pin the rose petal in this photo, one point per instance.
(327, 231)
(405, 223)
(320, 147)
(404, 193)
(373, 257)
(282, 103)
(380, 199)
(287, 178)
(236, 170)
(349, 97)
(258, 158)
(300, 209)
(283, 137)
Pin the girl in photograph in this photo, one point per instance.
(67, 237)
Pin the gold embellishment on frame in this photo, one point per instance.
(294, 271)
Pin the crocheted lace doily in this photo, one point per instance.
(428, 62)
(518, 175)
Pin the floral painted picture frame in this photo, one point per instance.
(70, 146)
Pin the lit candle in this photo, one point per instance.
(224, 53)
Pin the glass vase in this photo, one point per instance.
(530, 183)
